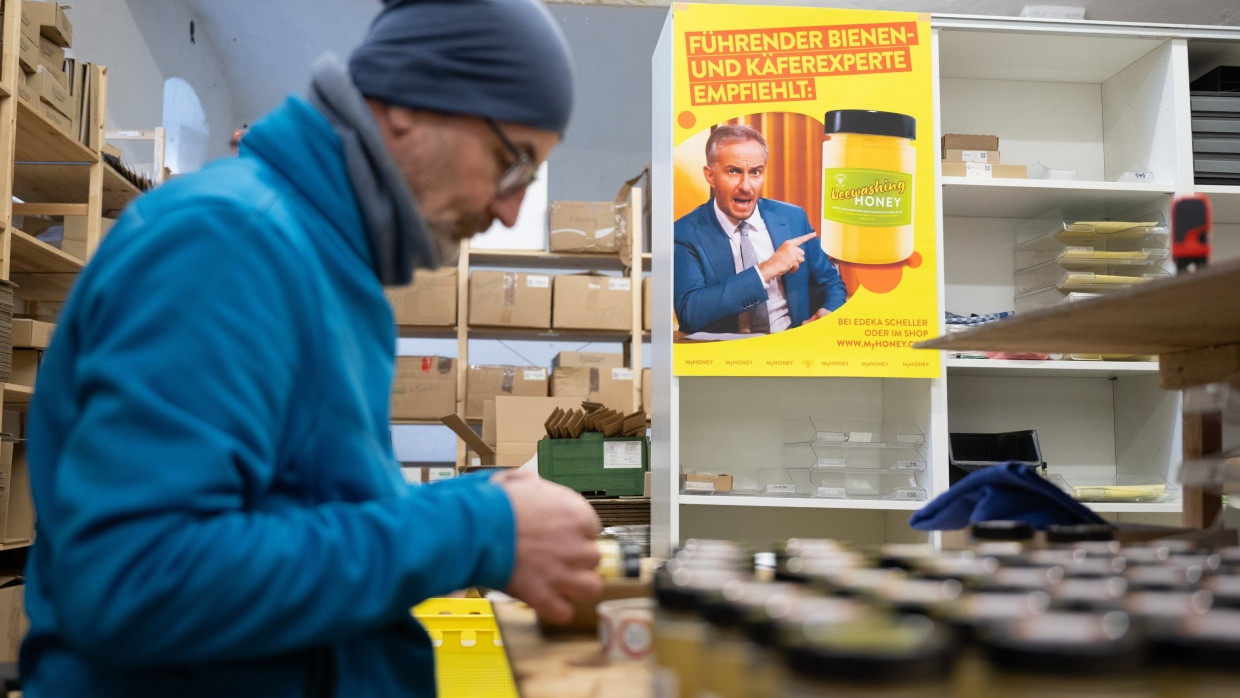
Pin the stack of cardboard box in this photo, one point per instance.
(966, 155)
(45, 34)
(425, 388)
(65, 91)
(509, 299)
(583, 226)
(430, 301)
(592, 302)
(487, 382)
(594, 376)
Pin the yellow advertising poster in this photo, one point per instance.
(804, 201)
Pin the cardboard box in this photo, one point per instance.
(13, 617)
(50, 18)
(50, 91)
(592, 302)
(984, 170)
(28, 333)
(425, 387)
(611, 386)
(489, 382)
(62, 123)
(511, 428)
(25, 366)
(509, 299)
(430, 301)
(28, 53)
(647, 296)
(426, 474)
(29, 23)
(19, 515)
(582, 226)
(647, 388)
(6, 478)
(610, 467)
(597, 359)
(707, 482)
(52, 57)
(74, 241)
(958, 155)
(961, 141)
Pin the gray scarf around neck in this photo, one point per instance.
(399, 239)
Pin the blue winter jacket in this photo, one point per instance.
(219, 509)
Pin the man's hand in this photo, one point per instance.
(822, 312)
(556, 554)
(786, 259)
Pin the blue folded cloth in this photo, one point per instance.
(1009, 491)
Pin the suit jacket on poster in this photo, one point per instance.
(708, 293)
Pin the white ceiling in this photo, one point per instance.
(267, 46)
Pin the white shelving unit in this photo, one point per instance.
(1098, 98)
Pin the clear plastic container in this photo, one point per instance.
(1053, 225)
(1047, 297)
(839, 461)
(1134, 487)
(1092, 245)
(1051, 275)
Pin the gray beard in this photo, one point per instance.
(447, 249)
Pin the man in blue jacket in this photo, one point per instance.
(744, 264)
(219, 508)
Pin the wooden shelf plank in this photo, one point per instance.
(535, 335)
(53, 182)
(70, 183)
(44, 288)
(117, 191)
(39, 140)
(429, 422)
(735, 500)
(425, 332)
(31, 255)
(538, 259)
(15, 394)
(1181, 313)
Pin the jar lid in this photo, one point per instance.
(874, 649)
(1074, 533)
(1067, 643)
(681, 587)
(1208, 641)
(868, 121)
(1001, 530)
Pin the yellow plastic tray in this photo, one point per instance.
(469, 654)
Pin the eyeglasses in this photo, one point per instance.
(521, 173)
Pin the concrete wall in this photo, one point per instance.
(143, 43)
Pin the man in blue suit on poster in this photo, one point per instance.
(744, 264)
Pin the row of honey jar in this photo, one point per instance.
(1004, 617)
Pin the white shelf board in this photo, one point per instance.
(1027, 198)
(1135, 507)
(1031, 56)
(798, 502)
(1008, 367)
(1224, 202)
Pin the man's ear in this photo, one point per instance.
(392, 119)
(709, 174)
